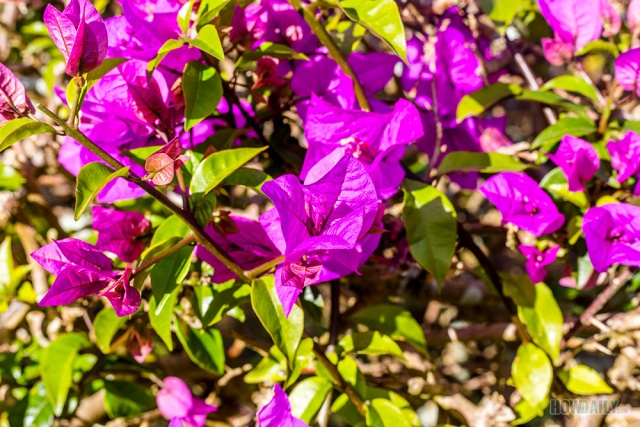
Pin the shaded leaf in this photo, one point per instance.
(477, 102)
(370, 342)
(204, 347)
(308, 396)
(18, 129)
(394, 321)
(202, 90)
(273, 50)
(106, 325)
(127, 399)
(92, 178)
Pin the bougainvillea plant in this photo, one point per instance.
(289, 213)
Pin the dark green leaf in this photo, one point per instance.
(202, 90)
(466, 161)
(34, 410)
(308, 396)
(382, 18)
(556, 183)
(56, 367)
(92, 178)
(19, 129)
(581, 379)
(548, 138)
(394, 321)
(248, 177)
(204, 347)
(105, 326)
(218, 166)
(554, 100)
(572, 84)
(160, 320)
(430, 221)
(285, 332)
(168, 273)
(272, 50)
(204, 208)
(214, 304)
(127, 399)
(532, 374)
(370, 342)
(208, 41)
(477, 102)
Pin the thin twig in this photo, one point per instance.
(334, 320)
(334, 51)
(252, 274)
(467, 241)
(175, 248)
(615, 284)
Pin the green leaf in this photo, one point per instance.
(19, 129)
(273, 50)
(532, 374)
(554, 100)
(285, 332)
(303, 359)
(556, 183)
(107, 65)
(466, 161)
(218, 166)
(526, 412)
(208, 41)
(204, 347)
(70, 92)
(202, 90)
(370, 342)
(394, 321)
(583, 380)
(383, 413)
(213, 305)
(10, 275)
(501, 12)
(56, 367)
(430, 221)
(127, 399)
(209, 9)
(248, 177)
(308, 396)
(168, 273)
(572, 84)
(204, 208)
(171, 228)
(477, 102)
(184, 16)
(382, 18)
(92, 178)
(598, 46)
(105, 326)
(538, 309)
(548, 138)
(160, 320)
(273, 368)
(34, 410)
(168, 46)
(10, 179)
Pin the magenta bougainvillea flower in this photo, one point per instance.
(521, 202)
(627, 70)
(277, 413)
(610, 18)
(537, 261)
(80, 34)
(13, 98)
(625, 157)
(176, 403)
(612, 233)
(140, 343)
(574, 23)
(249, 247)
(321, 227)
(578, 160)
(119, 232)
(377, 140)
(83, 270)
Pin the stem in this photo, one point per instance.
(606, 114)
(436, 117)
(252, 274)
(175, 248)
(183, 190)
(335, 313)
(466, 240)
(596, 305)
(75, 105)
(340, 381)
(201, 237)
(528, 75)
(334, 51)
(230, 94)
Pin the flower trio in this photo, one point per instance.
(152, 105)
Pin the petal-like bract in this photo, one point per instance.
(578, 160)
(627, 70)
(625, 155)
(119, 232)
(521, 202)
(277, 413)
(537, 261)
(13, 98)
